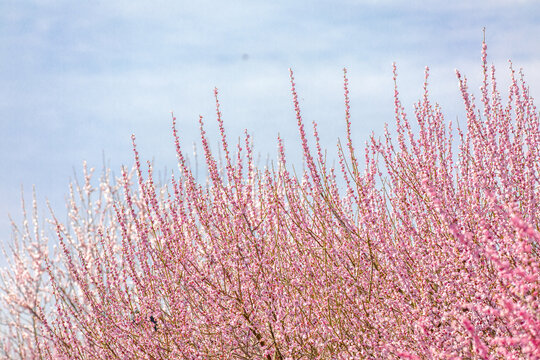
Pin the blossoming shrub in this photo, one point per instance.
(420, 254)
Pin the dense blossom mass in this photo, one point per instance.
(426, 247)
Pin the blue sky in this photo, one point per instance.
(79, 77)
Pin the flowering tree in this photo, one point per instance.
(420, 254)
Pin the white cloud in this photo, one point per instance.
(82, 76)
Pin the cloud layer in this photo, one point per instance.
(79, 77)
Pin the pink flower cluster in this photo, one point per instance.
(417, 252)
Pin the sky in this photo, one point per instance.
(79, 77)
